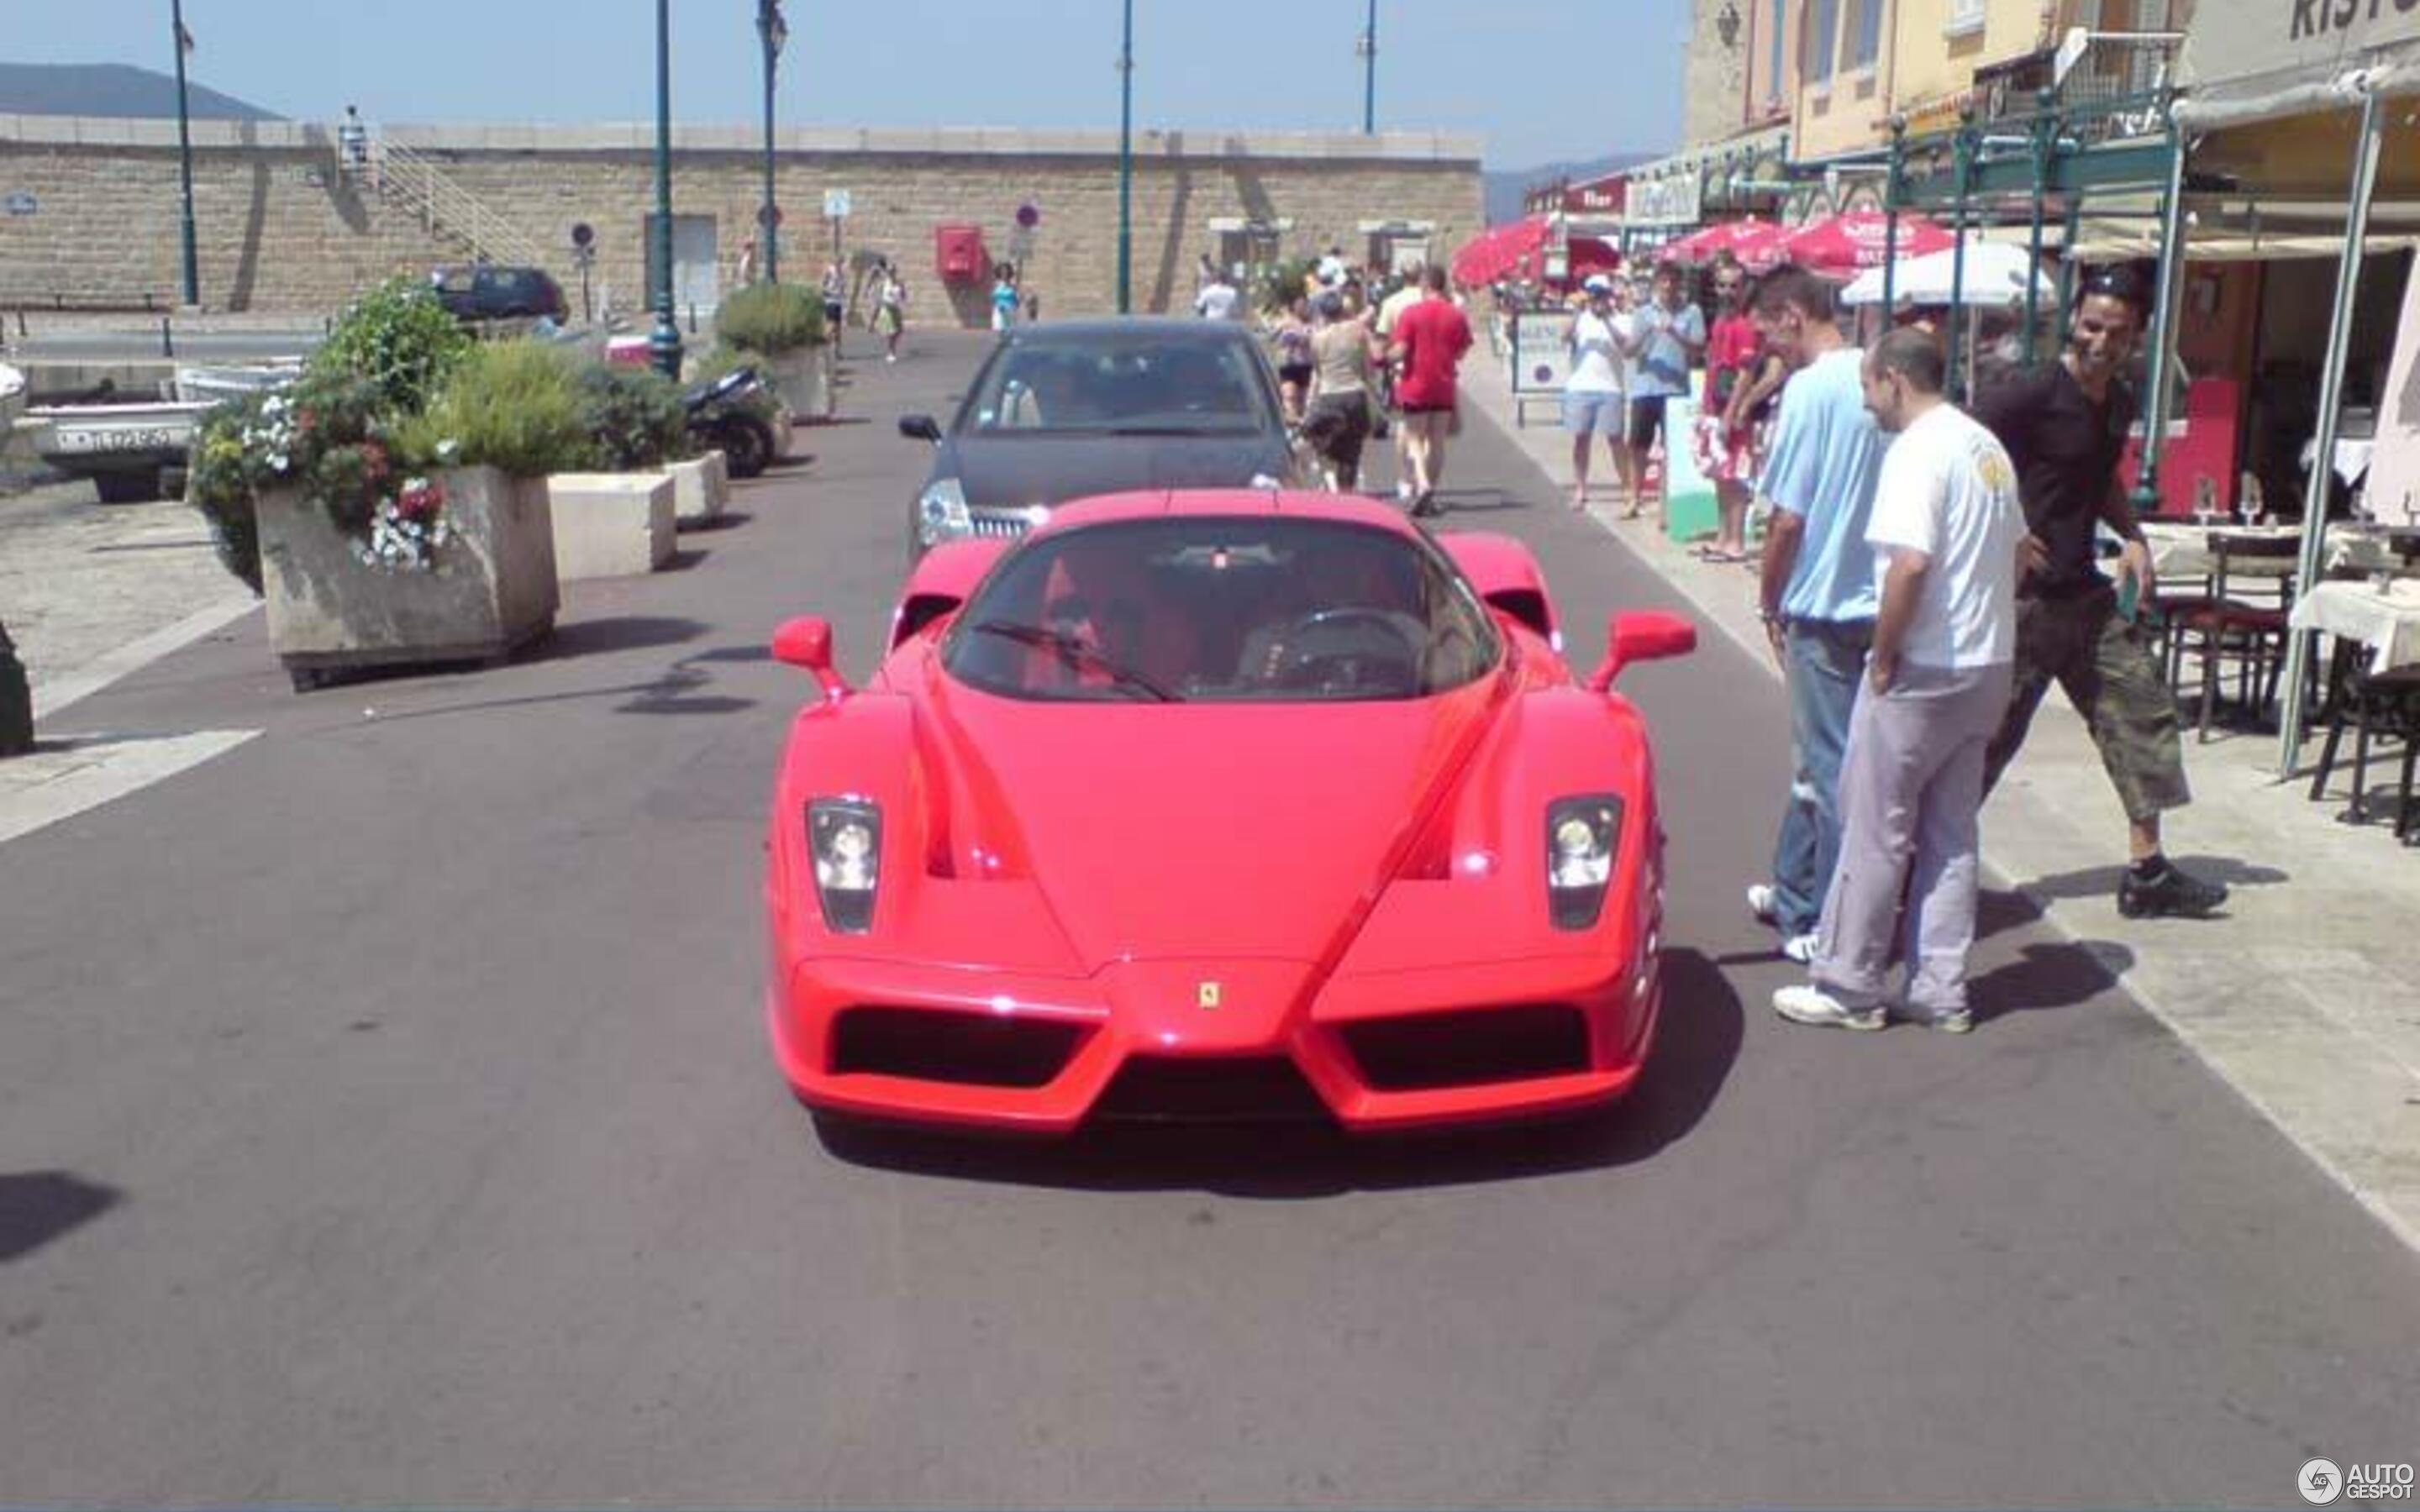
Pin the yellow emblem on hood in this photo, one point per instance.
(1207, 994)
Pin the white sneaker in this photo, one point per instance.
(1948, 1020)
(1762, 905)
(1813, 1005)
(1800, 948)
(1403, 492)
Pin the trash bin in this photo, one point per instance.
(16, 701)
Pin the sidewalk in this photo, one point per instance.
(2305, 997)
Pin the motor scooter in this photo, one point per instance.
(724, 415)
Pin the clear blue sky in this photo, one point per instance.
(1540, 78)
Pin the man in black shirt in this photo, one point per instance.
(2065, 425)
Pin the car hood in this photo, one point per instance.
(1013, 472)
(1160, 832)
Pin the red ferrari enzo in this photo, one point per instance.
(1213, 805)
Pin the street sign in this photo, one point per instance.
(1029, 215)
(772, 212)
(22, 202)
(582, 234)
(836, 204)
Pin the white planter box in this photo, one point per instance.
(701, 488)
(805, 378)
(782, 433)
(492, 587)
(609, 524)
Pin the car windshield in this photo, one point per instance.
(1248, 609)
(1121, 383)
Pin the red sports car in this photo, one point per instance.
(1217, 804)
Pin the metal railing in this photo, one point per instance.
(413, 181)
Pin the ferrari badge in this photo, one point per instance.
(1206, 994)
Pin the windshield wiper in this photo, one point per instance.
(1182, 430)
(1077, 653)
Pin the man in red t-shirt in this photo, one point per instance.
(1429, 340)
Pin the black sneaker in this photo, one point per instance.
(2168, 893)
(1425, 506)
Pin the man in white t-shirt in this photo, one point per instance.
(1946, 529)
(1594, 398)
(1390, 310)
(1217, 300)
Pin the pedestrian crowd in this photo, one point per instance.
(1927, 574)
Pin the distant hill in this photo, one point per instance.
(112, 89)
(1505, 186)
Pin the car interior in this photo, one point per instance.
(1221, 610)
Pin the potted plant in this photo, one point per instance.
(781, 326)
(390, 505)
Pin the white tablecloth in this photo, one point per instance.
(2353, 456)
(2182, 552)
(2385, 620)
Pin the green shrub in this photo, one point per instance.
(1283, 282)
(221, 471)
(513, 405)
(634, 415)
(399, 338)
(771, 318)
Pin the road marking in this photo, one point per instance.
(56, 694)
(61, 778)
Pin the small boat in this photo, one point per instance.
(203, 385)
(126, 450)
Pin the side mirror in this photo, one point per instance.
(919, 428)
(806, 641)
(1641, 635)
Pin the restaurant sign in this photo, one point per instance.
(1671, 200)
(2252, 59)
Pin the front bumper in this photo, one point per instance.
(1476, 1042)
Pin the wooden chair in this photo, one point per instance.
(2224, 625)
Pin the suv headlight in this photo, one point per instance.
(844, 838)
(941, 513)
(1582, 834)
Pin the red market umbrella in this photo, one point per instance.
(1519, 249)
(1839, 246)
(1739, 237)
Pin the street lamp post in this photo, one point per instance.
(664, 343)
(771, 27)
(181, 41)
(1368, 51)
(1125, 165)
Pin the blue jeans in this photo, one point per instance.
(1825, 662)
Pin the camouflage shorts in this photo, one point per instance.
(2115, 676)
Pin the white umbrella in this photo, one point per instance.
(1995, 275)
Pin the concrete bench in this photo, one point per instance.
(611, 524)
(701, 488)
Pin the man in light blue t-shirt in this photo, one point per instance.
(1818, 597)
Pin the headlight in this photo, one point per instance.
(1582, 834)
(845, 837)
(941, 513)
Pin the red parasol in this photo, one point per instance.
(1518, 249)
(1839, 246)
(1741, 238)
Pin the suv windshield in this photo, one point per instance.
(1251, 609)
(1135, 382)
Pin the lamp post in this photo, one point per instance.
(183, 42)
(664, 343)
(1125, 165)
(1368, 51)
(774, 31)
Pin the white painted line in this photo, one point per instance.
(59, 780)
(56, 694)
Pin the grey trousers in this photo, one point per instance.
(1911, 792)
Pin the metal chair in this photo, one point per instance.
(2225, 627)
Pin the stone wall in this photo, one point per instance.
(93, 205)
(1718, 72)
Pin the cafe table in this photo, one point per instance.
(2183, 551)
(2382, 615)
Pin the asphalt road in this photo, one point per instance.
(384, 1118)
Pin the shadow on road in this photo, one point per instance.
(37, 1206)
(1696, 1046)
(2104, 879)
(623, 632)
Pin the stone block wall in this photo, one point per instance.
(279, 228)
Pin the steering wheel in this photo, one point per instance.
(1348, 650)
